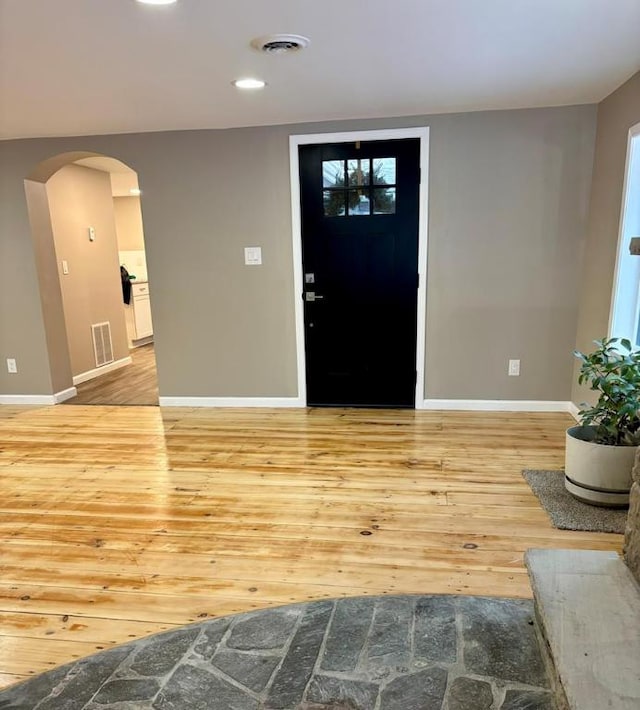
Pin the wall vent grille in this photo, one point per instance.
(102, 344)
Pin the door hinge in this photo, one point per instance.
(417, 280)
(419, 176)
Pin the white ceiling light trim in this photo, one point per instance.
(157, 2)
(249, 83)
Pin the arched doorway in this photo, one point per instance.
(86, 222)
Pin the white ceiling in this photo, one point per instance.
(72, 67)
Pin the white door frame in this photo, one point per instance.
(422, 133)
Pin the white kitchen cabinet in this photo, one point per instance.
(139, 323)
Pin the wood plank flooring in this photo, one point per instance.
(116, 522)
(135, 384)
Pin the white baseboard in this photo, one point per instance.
(27, 399)
(91, 374)
(478, 405)
(574, 411)
(496, 405)
(65, 395)
(231, 402)
(37, 399)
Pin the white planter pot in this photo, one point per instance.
(596, 473)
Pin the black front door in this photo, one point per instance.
(360, 207)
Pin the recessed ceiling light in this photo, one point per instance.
(249, 83)
(158, 2)
(135, 191)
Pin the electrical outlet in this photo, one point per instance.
(12, 367)
(514, 368)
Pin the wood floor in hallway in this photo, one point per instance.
(135, 384)
(116, 522)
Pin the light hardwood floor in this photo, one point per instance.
(117, 522)
(134, 384)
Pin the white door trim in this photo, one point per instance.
(420, 132)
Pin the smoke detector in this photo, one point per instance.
(280, 44)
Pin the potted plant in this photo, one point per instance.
(600, 451)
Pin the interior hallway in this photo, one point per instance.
(135, 384)
(117, 522)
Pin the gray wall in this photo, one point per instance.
(508, 207)
(80, 197)
(616, 115)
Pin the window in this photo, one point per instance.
(625, 307)
(359, 186)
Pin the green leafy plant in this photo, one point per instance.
(613, 370)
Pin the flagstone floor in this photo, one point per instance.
(368, 653)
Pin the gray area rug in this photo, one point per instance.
(566, 512)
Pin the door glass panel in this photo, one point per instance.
(332, 173)
(359, 203)
(334, 203)
(384, 171)
(384, 200)
(359, 171)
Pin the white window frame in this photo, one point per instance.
(624, 317)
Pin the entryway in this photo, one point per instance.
(136, 384)
(361, 213)
(88, 234)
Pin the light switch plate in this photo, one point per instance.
(65, 266)
(253, 256)
(92, 234)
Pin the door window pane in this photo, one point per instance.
(384, 200)
(359, 171)
(334, 203)
(332, 173)
(359, 203)
(384, 171)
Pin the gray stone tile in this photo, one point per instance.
(435, 629)
(528, 700)
(389, 644)
(197, 689)
(419, 691)
(158, 656)
(291, 679)
(499, 640)
(130, 689)
(251, 670)
(27, 695)
(212, 633)
(589, 608)
(83, 680)
(269, 629)
(347, 634)
(331, 691)
(469, 694)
